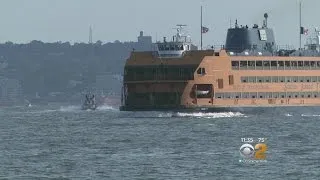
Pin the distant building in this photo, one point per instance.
(144, 42)
(10, 91)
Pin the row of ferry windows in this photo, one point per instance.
(170, 47)
(275, 65)
(159, 73)
(267, 95)
(279, 79)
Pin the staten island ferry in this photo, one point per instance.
(250, 70)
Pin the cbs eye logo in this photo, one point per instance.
(256, 152)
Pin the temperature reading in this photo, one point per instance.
(260, 140)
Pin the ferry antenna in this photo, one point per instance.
(90, 35)
(201, 28)
(300, 26)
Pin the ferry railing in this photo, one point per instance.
(252, 50)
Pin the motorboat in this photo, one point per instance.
(89, 103)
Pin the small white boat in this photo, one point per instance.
(28, 103)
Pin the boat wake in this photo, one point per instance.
(209, 115)
(184, 115)
(106, 108)
(70, 108)
(73, 108)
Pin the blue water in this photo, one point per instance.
(54, 142)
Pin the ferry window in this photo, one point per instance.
(237, 95)
(300, 64)
(263, 34)
(306, 64)
(315, 94)
(274, 79)
(220, 83)
(243, 64)
(219, 95)
(172, 47)
(313, 65)
(258, 64)
(288, 79)
(231, 80)
(287, 65)
(261, 95)
(245, 95)
(282, 79)
(282, 95)
(295, 95)
(301, 78)
(252, 79)
(260, 79)
(289, 94)
(235, 65)
(294, 64)
(273, 64)
(244, 79)
(280, 65)
(181, 47)
(295, 79)
(308, 79)
(253, 94)
(318, 64)
(266, 64)
(314, 79)
(302, 94)
(308, 94)
(269, 95)
(267, 79)
(201, 71)
(227, 95)
(275, 95)
(251, 64)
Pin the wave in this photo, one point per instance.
(310, 115)
(71, 108)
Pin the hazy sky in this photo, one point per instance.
(69, 20)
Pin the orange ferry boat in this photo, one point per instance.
(249, 71)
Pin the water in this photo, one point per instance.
(63, 142)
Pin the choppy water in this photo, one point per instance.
(56, 142)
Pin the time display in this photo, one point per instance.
(247, 140)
